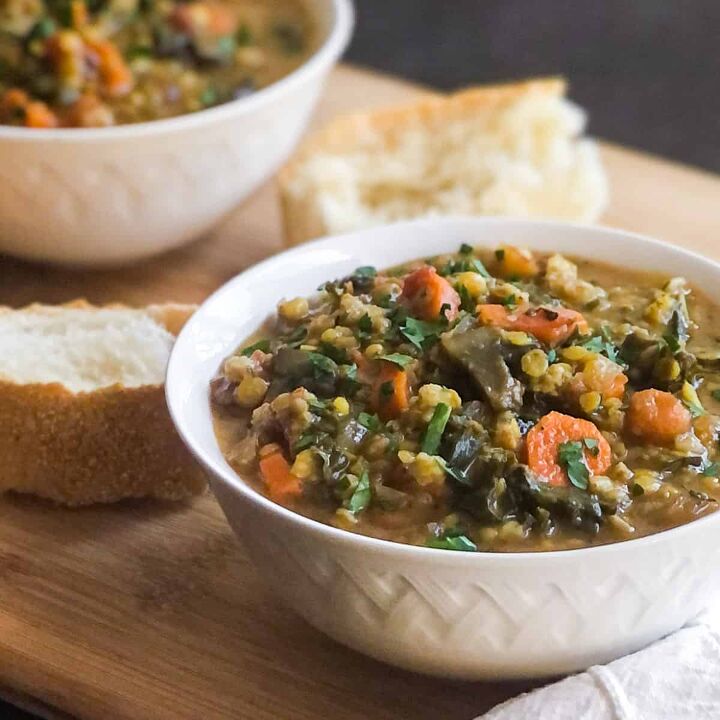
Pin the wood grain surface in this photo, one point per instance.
(145, 610)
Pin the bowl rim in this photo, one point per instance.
(371, 545)
(326, 54)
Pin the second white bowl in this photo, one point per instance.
(111, 195)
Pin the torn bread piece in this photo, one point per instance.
(82, 404)
(514, 149)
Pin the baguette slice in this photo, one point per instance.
(510, 149)
(82, 405)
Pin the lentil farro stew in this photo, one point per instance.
(90, 63)
(495, 401)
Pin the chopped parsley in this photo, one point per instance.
(420, 332)
(398, 359)
(263, 345)
(362, 495)
(371, 422)
(461, 543)
(466, 300)
(571, 457)
(435, 429)
(712, 470)
(603, 345)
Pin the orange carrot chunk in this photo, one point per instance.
(549, 325)
(390, 391)
(39, 115)
(282, 486)
(428, 294)
(116, 76)
(515, 263)
(657, 417)
(554, 429)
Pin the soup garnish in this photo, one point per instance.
(497, 401)
(93, 63)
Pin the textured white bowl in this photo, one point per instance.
(453, 614)
(111, 195)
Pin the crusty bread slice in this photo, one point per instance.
(510, 149)
(82, 405)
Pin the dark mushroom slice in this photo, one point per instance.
(480, 352)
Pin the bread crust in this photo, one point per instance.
(95, 447)
(302, 222)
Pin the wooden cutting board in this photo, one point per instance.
(146, 610)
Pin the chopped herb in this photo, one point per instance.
(209, 96)
(244, 36)
(480, 268)
(420, 332)
(371, 422)
(570, 456)
(42, 29)
(137, 52)
(435, 429)
(361, 496)
(464, 264)
(677, 330)
(365, 271)
(322, 364)
(712, 470)
(508, 300)
(365, 327)
(672, 342)
(461, 543)
(466, 249)
(306, 440)
(466, 301)
(398, 359)
(339, 355)
(263, 345)
(602, 344)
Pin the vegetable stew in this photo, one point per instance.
(496, 401)
(93, 63)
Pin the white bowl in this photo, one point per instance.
(111, 195)
(452, 614)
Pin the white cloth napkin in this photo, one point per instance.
(677, 678)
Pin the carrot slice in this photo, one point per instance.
(390, 391)
(116, 76)
(427, 293)
(544, 440)
(549, 325)
(514, 262)
(39, 115)
(657, 417)
(282, 486)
